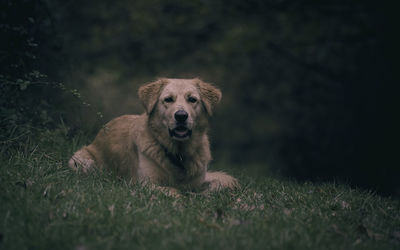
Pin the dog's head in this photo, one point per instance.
(181, 106)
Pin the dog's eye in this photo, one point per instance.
(168, 99)
(192, 99)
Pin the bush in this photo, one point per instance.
(30, 101)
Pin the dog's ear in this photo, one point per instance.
(150, 92)
(209, 94)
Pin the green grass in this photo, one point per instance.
(44, 205)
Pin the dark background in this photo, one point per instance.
(309, 87)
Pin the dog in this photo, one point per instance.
(167, 146)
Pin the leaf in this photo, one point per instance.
(357, 242)
(369, 233)
(60, 194)
(111, 209)
(345, 205)
(24, 85)
(335, 228)
(46, 191)
(288, 211)
(210, 224)
(29, 182)
(21, 184)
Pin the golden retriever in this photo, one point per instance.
(167, 145)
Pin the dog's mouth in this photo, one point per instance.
(180, 132)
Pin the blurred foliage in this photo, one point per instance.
(30, 102)
(306, 84)
(22, 106)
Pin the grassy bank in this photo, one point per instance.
(44, 205)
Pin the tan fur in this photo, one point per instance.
(141, 147)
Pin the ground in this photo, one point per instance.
(45, 205)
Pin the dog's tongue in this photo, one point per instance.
(181, 131)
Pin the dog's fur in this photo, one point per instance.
(156, 147)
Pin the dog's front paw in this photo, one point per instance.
(220, 180)
(168, 191)
(81, 161)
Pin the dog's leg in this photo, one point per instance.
(81, 161)
(219, 180)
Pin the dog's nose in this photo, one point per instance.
(181, 115)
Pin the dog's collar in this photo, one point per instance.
(176, 159)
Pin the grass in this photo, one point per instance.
(44, 205)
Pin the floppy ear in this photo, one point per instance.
(149, 94)
(209, 94)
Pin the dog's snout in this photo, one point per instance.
(181, 115)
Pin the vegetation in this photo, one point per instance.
(30, 101)
(304, 96)
(315, 77)
(45, 205)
